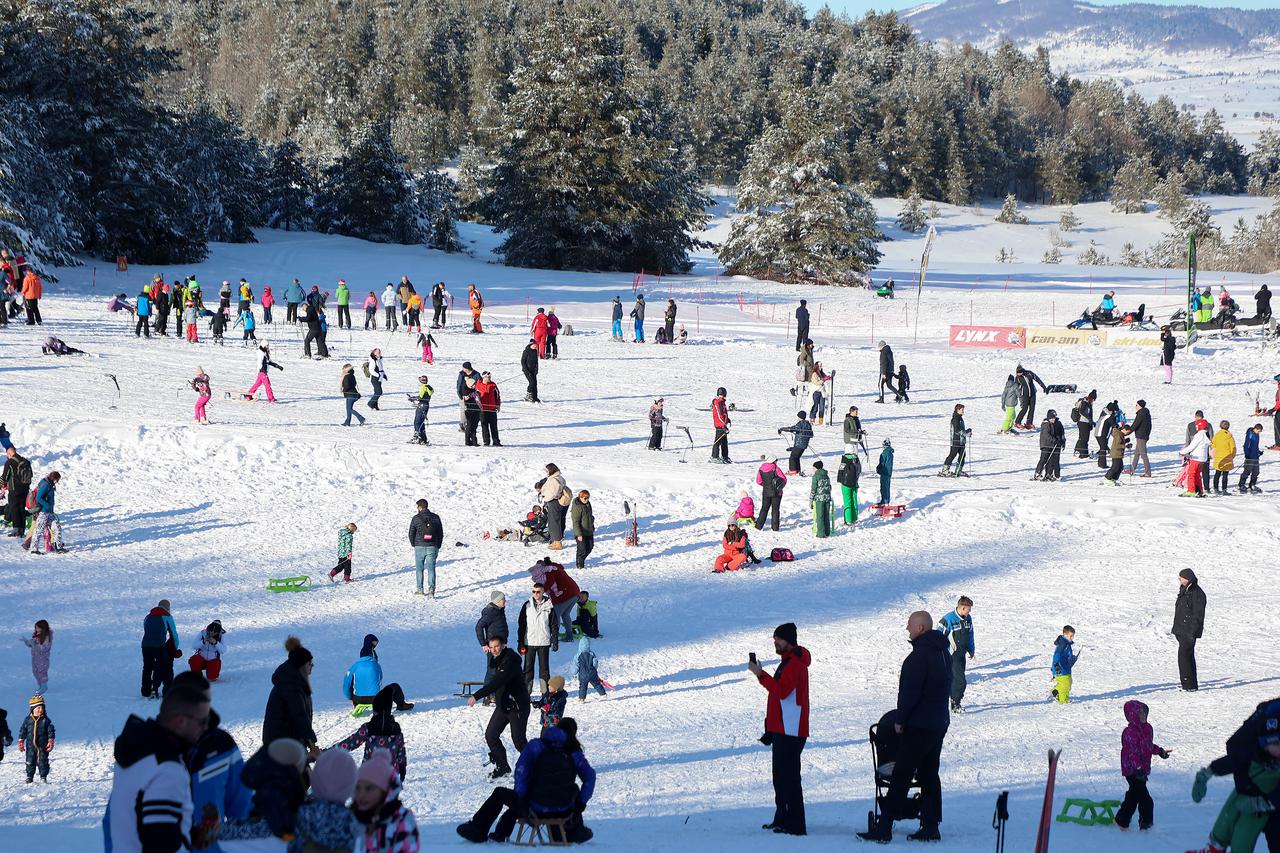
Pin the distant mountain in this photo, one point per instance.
(1172, 29)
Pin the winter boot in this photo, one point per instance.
(1211, 847)
(498, 772)
(472, 833)
(946, 471)
(927, 832)
(880, 832)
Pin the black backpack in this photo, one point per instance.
(1075, 413)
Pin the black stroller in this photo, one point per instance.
(884, 753)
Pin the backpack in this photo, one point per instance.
(781, 555)
(31, 497)
(566, 497)
(553, 779)
(1075, 413)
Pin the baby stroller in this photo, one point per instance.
(533, 529)
(884, 753)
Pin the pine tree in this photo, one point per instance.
(1068, 221)
(472, 178)
(1009, 213)
(1171, 195)
(1132, 186)
(1129, 256)
(291, 187)
(1053, 256)
(912, 218)
(436, 200)
(798, 222)
(224, 171)
(38, 210)
(587, 175)
(1005, 256)
(1092, 257)
(367, 193)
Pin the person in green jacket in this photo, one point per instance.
(820, 501)
(584, 527)
(847, 477)
(344, 304)
(885, 469)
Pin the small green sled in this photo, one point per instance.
(1091, 813)
(361, 710)
(298, 584)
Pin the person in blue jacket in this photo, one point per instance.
(246, 319)
(363, 680)
(143, 311)
(1108, 305)
(1063, 661)
(160, 645)
(215, 766)
(1252, 459)
(545, 786)
(885, 469)
(958, 625)
(46, 530)
(293, 297)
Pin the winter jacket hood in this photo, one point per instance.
(1137, 743)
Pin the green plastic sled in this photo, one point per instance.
(297, 584)
(1092, 813)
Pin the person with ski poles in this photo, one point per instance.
(263, 380)
(421, 407)
(437, 305)
(1052, 440)
(801, 433)
(959, 444)
(721, 421)
(1027, 382)
(852, 433)
(656, 420)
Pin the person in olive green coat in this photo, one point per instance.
(584, 526)
(820, 501)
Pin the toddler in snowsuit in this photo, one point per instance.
(1063, 661)
(6, 736)
(381, 732)
(1137, 745)
(35, 739)
(745, 514)
(958, 625)
(324, 821)
(553, 701)
(41, 644)
(218, 326)
(345, 536)
(587, 665)
(208, 656)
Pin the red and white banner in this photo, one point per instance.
(989, 337)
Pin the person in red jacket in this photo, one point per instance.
(734, 555)
(720, 420)
(786, 727)
(490, 405)
(539, 332)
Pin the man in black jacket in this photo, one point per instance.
(529, 367)
(1052, 439)
(314, 332)
(1027, 382)
(425, 535)
(1188, 625)
(886, 372)
(1263, 300)
(1084, 422)
(1256, 740)
(16, 477)
(924, 691)
(289, 709)
(802, 324)
(510, 705)
(1141, 433)
(467, 372)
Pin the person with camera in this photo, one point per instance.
(786, 726)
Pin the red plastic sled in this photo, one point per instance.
(891, 510)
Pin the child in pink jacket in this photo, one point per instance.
(745, 514)
(1137, 745)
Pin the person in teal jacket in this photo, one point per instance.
(885, 469)
(293, 295)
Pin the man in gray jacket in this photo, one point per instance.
(538, 634)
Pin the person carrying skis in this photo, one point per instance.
(801, 433)
(616, 319)
(847, 477)
(476, 302)
(885, 469)
(1082, 417)
(820, 501)
(200, 384)
(886, 372)
(721, 421)
(771, 482)
(421, 407)
(1009, 400)
(539, 332)
(656, 420)
(1052, 440)
(263, 380)
(1027, 382)
(959, 441)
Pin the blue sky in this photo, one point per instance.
(855, 8)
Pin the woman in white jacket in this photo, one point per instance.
(1197, 455)
(389, 305)
(555, 497)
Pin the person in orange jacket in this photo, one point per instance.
(32, 290)
(734, 555)
(477, 305)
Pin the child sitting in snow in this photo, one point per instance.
(1063, 661)
(35, 738)
(535, 523)
(324, 821)
(346, 535)
(553, 701)
(745, 514)
(587, 665)
(734, 553)
(1137, 745)
(208, 656)
(381, 732)
(587, 621)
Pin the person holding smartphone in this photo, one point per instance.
(786, 726)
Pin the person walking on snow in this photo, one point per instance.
(1196, 452)
(46, 530)
(637, 314)
(246, 297)
(786, 726)
(801, 433)
(1137, 746)
(1027, 382)
(529, 367)
(346, 535)
(1009, 400)
(771, 481)
(537, 635)
(200, 384)
(656, 420)
(16, 479)
(1082, 417)
(1052, 441)
(1064, 660)
(959, 441)
(377, 375)
(958, 626)
(41, 645)
(426, 533)
(885, 469)
(264, 381)
(886, 372)
(1252, 459)
(616, 318)
(583, 527)
(802, 324)
(1141, 435)
(247, 322)
(1188, 626)
(510, 704)
(421, 408)
(820, 501)
(720, 420)
(350, 394)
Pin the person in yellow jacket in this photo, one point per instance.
(1224, 457)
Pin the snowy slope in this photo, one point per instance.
(154, 506)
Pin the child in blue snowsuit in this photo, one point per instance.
(885, 469)
(588, 673)
(246, 319)
(35, 739)
(1063, 661)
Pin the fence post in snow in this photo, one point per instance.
(526, 309)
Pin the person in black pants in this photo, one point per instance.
(771, 482)
(886, 372)
(529, 367)
(537, 635)
(16, 477)
(1084, 408)
(313, 331)
(583, 520)
(786, 733)
(924, 690)
(1188, 625)
(959, 437)
(437, 305)
(1052, 440)
(656, 420)
(510, 706)
(802, 324)
(159, 648)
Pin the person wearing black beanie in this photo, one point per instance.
(786, 727)
(289, 712)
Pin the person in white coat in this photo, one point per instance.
(208, 657)
(389, 305)
(1197, 455)
(538, 636)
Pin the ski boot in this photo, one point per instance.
(946, 471)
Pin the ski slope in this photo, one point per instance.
(154, 506)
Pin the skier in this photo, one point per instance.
(1252, 460)
(886, 372)
(390, 322)
(476, 301)
(263, 380)
(421, 407)
(1167, 348)
(1027, 382)
(820, 501)
(802, 324)
(1141, 435)
(189, 320)
(510, 706)
(426, 340)
(801, 433)
(344, 304)
(437, 305)
(350, 394)
(721, 421)
(959, 444)
(771, 482)
(847, 477)
(490, 405)
(377, 376)
(246, 320)
(292, 299)
(539, 331)
(885, 469)
(637, 313)
(246, 297)
(553, 334)
(200, 384)
(370, 311)
(1052, 440)
(529, 367)
(669, 318)
(1082, 417)
(1009, 400)
(616, 318)
(656, 420)
(143, 311)
(224, 298)
(1118, 442)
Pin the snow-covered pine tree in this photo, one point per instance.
(1171, 195)
(1068, 221)
(587, 176)
(367, 193)
(1132, 186)
(472, 176)
(291, 187)
(1264, 164)
(1091, 256)
(1053, 256)
(38, 208)
(799, 222)
(224, 171)
(912, 218)
(1009, 213)
(436, 198)
(1129, 256)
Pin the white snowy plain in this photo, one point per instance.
(155, 506)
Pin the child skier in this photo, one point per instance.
(1137, 745)
(553, 701)
(421, 407)
(217, 325)
(587, 665)
(200, 384)
(426, 341)
(35, 739)
(208, 657)
(958, 625)
(381, 732)
(246, 319)
(745, 514)
(801, 433)
(345, 536)
(847, 477)
(41, 644)
(820, 501)
(189, 322)
(1063, 661)
(263, 380)
(371, 312)
(885, 469)
(267, 301)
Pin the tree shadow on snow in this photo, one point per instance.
(151, 534)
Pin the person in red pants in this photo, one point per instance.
(208, 657)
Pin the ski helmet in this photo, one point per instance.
(720, 392)
(887, 444)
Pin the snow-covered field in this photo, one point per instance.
(154, 506)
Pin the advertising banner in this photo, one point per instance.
(989, 337)
(1049, 337)
(1133, 339)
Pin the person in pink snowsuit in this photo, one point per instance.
(745, 514)
(200, 384)
(263, 380)
(1137, 745)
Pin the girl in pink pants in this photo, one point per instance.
(425, 341)
(264, 381)
(201, 386)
